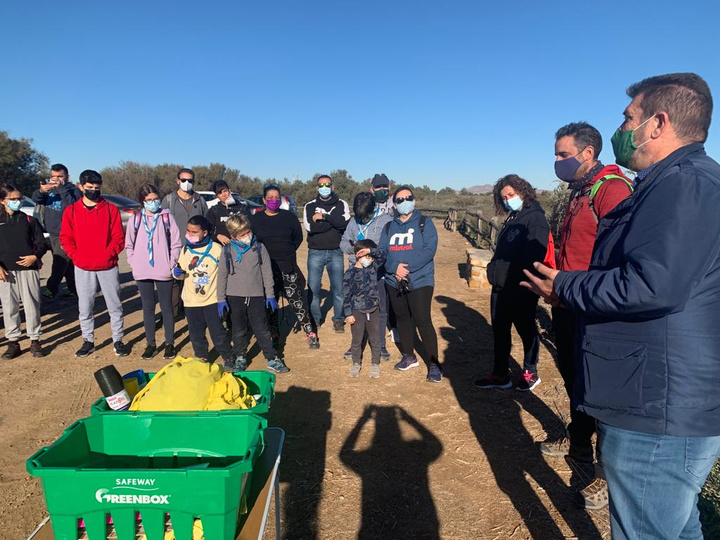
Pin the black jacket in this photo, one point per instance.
(55, 202)
(20, 235)
(219, 214)
(523, 240)
(327, 232)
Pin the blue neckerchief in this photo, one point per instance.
(202, 254)
(240, 248)
(362, 229)
(151, 233)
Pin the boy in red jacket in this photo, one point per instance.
(92, 236)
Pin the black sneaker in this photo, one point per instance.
(87, 348)
(277, 365)
(70, 295)
(169, 352)
(339, 327)
(313, 341)
(36, 349)
(347, 355)
(121, 349)
(148, 353)
(12, 351)
(229, 364)
(48, 294)
(493, 381)
(527, 381)
(240, 362)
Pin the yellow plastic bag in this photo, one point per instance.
(188, 384)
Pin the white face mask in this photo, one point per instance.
(186, 186)
(366, 261)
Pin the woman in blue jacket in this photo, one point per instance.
(410, 241)
(523, 240)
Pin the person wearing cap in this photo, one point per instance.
(226, 207)
(92, 235)
(380, 188)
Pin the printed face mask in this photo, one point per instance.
(514, 204)
(381, 195)
(152, 206)
(623, 143)
(273, 205)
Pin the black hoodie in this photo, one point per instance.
(20, 235)
(326, 233)
(522, 241)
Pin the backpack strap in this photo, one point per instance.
(136, 227)
(596, 187)
(423, 219)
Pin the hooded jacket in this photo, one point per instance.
(406, 243)
(360, 286)
(220, 213)
(20, 235)
(92, 237)
(55, 202)
(373, 232)
(522, 241)
(649, 308)
(137, 246)
(327, 232)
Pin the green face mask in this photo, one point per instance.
(623, 143)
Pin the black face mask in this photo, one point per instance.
(381, 195)
(92, 194)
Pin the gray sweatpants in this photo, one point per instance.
(87, 285)
(21, 285)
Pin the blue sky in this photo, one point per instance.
(436, 93)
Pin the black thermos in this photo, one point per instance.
(111, 384)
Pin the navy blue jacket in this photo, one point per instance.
(405, 243)
(56, 201)
(650, 304)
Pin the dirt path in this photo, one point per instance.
(390, 458)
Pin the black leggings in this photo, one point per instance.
(514, 307)
(291, 285)
(412, 310)
(147, 287)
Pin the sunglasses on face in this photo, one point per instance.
(400, 200)
(323, 184)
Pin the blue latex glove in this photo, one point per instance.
(271, 304)
(222, 306)
(178, 272)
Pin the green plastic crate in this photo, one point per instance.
(186, 466)
(261, 384)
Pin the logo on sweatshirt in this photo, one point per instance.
(402, 241)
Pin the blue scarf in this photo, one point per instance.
(241, 248)
(202, 254)
(151, 233)
(362, 229)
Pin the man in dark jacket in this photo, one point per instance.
(595, 190)
(325, 219)
(224, 209)
(56, 195)
(649, 313)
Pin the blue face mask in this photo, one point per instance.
(514, 204)
(324, 192)
(152, 206)
(406, 207)
(14, 205)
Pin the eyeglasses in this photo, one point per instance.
(152, 200)
(325, 184)
(14, 199)
(400, 200)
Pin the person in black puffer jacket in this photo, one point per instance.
(523, 240)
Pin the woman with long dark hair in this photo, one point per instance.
(152, 245)
(523, 240)
(22, 246)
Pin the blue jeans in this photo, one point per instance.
(654, 482)
(332, 259)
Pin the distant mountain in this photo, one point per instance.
(485, 188)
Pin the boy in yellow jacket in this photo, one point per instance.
(198, 266)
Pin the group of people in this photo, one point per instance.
(225, 266)
(633, 290)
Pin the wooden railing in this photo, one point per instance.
(478, 229)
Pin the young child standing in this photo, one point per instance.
(245, 286)
(362, 304)
(22, 245)
(198, 265)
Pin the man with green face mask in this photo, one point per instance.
(649, 314)
(380, 188)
